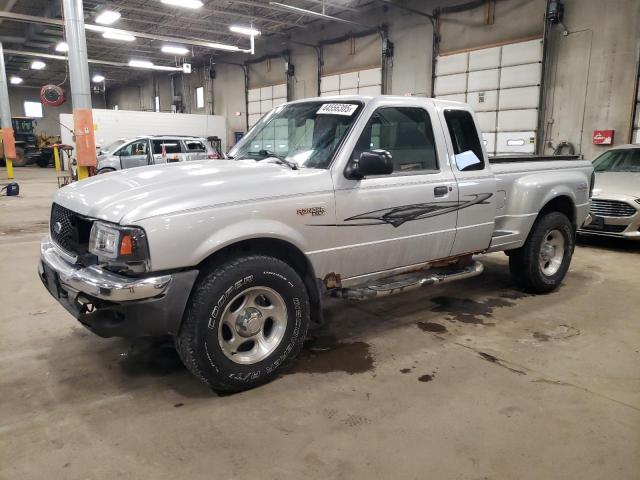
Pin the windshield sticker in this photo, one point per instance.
(346, 109)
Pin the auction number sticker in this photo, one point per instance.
(346, 109)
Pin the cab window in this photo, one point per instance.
(406, 133)
(464, 136)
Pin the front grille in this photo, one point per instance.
(69, 230)
(611, 208)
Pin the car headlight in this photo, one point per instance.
(120, 248)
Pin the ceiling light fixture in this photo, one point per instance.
(62, 47)
(125, 37)
(97, 78)
(244, 30)
(107, 17)
(37, 65)
(184, 3)
(15, 80)
(304, 11)
(174, 49)
(140, 63)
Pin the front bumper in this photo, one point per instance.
(616, 227)
(113, 305)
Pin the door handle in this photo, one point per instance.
(440, 191)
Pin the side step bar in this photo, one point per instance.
(408, 281)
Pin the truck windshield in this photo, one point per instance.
(305, 134)
(622, 160)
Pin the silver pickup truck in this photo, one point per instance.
(355, 197)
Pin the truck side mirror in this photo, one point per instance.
(374, 162)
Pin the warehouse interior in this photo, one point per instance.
(475, 379)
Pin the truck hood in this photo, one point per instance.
(127, 196)
(618, 183)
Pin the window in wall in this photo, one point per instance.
(464, 135)
(156, 103)
(200, 97)
(33, 109)
(406, 133)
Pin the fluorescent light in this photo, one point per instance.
(62, 47)
(311, 13)
(37, 65)
(244, 30)
(107, 17)
(140, 63)
(223, 46)
(125, 37)
(14, 80)
(174, 49)
(97, 78)
(184, 3)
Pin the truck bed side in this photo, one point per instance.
(524, 188)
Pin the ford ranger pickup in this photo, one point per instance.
(354, 197)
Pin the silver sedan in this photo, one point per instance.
(615, 206)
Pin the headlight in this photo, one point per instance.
(121, 248)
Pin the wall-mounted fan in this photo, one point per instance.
(52, 95)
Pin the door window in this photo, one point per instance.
(406, 133)
(170, 146)
(194, 146)
(464, 137)
(139, 147)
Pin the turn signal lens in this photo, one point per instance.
(126, 245)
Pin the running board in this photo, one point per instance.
(408, 281)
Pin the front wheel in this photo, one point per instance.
(245, 320)
(542, 262)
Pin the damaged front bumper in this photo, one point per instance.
(113, 305)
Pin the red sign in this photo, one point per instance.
(603, 137)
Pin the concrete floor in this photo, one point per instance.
(473, 380)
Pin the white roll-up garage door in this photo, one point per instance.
(262, 100)
(635, 138)
(502, 84)
(359, 82)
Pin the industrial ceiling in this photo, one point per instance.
(21, 38)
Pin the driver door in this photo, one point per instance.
(386, 222)
(136, 154)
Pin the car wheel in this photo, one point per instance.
(106, 170)
(542, 263)
(245, 320)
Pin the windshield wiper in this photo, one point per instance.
(280, 158)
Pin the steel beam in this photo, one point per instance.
(8, 140)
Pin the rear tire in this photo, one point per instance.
(20, 160)
(245, 320)
(542, 262)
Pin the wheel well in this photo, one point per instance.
(562, 204)
(282, 250)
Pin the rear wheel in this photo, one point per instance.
(21, 159)
(245, 320)
(542, 263)
(106, 170)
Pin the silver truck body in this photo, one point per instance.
(192, 210)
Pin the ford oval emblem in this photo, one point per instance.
(57, 227)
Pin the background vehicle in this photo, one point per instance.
(362, 197)
(152, 150)
(29, 148)
(615, 207)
